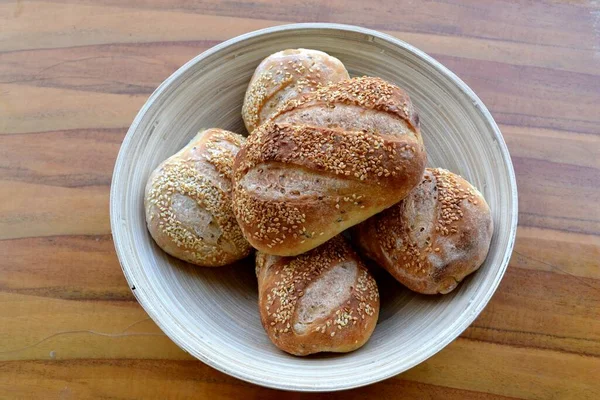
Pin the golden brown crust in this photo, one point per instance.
(352, 155)
(432, 239)
(365, 92)
(188, 202)
(296, 185)
(344, 322)
(284, 76)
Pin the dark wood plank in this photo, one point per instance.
(154, 379)
(549, 23)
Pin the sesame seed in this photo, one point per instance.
(296, 273)
(360, 155)
(182, 176)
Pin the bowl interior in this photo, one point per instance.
(212, 313)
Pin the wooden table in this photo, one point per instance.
(74, 74)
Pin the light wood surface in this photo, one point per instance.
(72, 77)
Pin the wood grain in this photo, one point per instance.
(72, 77)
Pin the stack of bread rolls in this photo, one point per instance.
(333, 167)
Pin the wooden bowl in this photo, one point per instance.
(212, 313)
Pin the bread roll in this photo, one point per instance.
(284, 76)
(432, 239)
(323, 300)
(188, 202)
(326, 162)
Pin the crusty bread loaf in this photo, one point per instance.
(326, 162)
(284, 76)
(323, 300)
(432, 239)
(188, 202)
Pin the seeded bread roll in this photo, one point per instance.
(323, 300)
(325, 163)
(284, 76)
(188, 202)
(432, 239)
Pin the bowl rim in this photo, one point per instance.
(392, 371)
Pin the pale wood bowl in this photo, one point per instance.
(212, 313)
